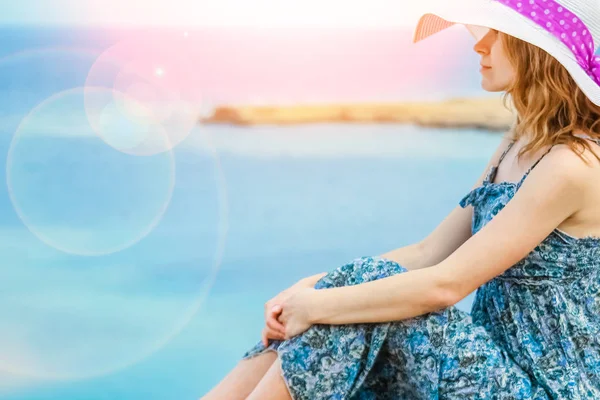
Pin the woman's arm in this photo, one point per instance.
(552, 193)
(448, 236)
(313, 279)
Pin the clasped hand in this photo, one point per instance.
(288, 314)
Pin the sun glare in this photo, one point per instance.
(256, 13)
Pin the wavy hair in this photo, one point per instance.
(549, 105)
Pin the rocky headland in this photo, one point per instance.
(487, 113)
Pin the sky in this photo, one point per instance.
(199, 13)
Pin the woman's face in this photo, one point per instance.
(496, 70)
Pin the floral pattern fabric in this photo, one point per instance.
(533, 331)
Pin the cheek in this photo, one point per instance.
(497, 55)
(508, 72)
(503, 68)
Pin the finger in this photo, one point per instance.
(275, 325)
(276, 312)
(271, 334)
(276, 318)
(275, 335)
(264, 338)
(270, 307)
(276, 308)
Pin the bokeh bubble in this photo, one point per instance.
(122, 122)
(153, 83)
(66, 315)
(72, 317)
(73, 191)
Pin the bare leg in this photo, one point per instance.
(272, 386)
(242, 379)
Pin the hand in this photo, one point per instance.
(295, 314)
(273, 328)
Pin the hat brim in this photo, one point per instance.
(491, 14)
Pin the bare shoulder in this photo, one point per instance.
(564, 163)
(567, 177)
(572, 181)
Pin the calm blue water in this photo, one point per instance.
(144, 277)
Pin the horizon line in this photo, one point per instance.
(295, 26)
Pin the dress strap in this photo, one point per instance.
(595, 140)
(533, 166)
(510, 145)
(587, 137)
(494, 169)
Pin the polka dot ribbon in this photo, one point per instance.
(566, 26)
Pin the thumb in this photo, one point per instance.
(276, 308)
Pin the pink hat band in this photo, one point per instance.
(564, 25)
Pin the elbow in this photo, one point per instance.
(439, 299)
(447, 291)
(445, 298)
(422, 248)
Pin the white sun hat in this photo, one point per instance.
(568, 30)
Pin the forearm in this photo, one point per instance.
(313, 279)
(412, 257)
(394, 298)
(448, 236)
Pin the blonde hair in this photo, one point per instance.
(549, 105)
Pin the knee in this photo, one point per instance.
(359, 270)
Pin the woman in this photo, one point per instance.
(527, 237)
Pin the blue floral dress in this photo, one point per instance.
(533, 331)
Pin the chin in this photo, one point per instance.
(491, 87)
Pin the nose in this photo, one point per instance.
(484, 45)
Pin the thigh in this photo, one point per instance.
(474, 366)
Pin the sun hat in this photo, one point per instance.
(568, 30)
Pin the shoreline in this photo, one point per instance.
(487, 113)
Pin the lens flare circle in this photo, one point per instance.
(135, 110)
(121, 122)
(75, 193)
(139, 323)
(155, 73)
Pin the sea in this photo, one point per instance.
(143, 276)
